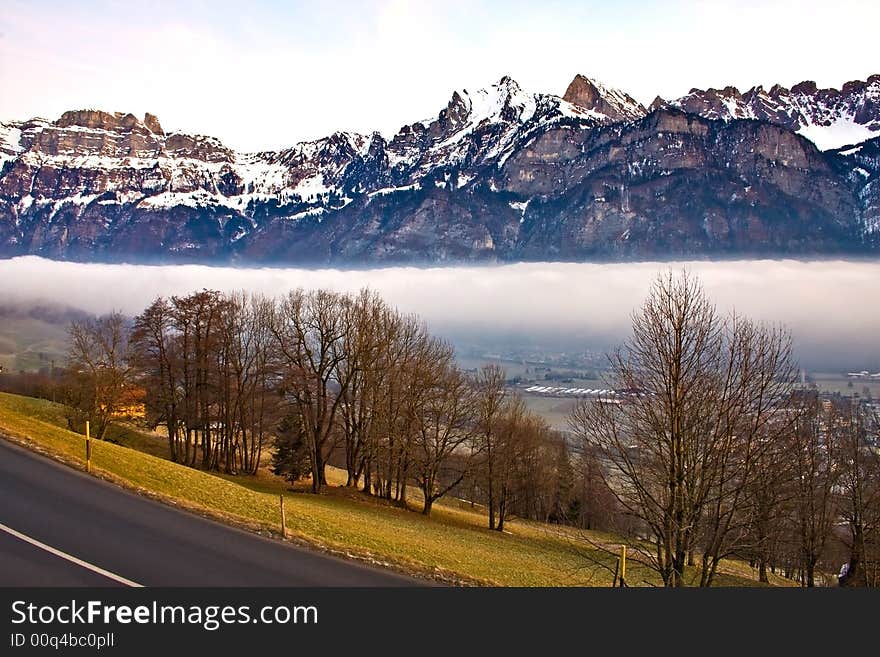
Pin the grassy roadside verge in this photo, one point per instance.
(451, 546)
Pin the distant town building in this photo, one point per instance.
(864, 374)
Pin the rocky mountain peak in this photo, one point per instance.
(457, 110)
(807, 88)
(115, 122)
(502, 102)
(152, 124)
(582, 91)
(732, 92)
(830, 118)
(657, 103)
(508, 82)
(500, 174)
(593, 95)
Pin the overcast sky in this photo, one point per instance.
(263, 75)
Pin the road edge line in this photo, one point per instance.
(69, 557)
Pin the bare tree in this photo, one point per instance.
(531, 467)
(408, 357)
(814, 458)
(371, 327)
(769, 493)
(444, 445)
(695, 394)
(157, 358)
(752, 416)
(859, 487)
(490, 405)
(98, 361)
(247, 405)
(310, 330)
(197, 322)
(205, 361)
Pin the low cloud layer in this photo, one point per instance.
(831, 307)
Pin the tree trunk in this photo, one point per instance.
(491, 489)
(502, 508)
(402, 478)
(368, 476)
(316, 467)
(319, 475)
(810, 574)
(856, 574)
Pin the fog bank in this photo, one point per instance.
(831, 307)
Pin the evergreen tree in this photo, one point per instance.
(291, 457)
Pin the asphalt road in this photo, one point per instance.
(137, 540)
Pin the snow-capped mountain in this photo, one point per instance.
(830, 118)
(478, 129)
(500, 174)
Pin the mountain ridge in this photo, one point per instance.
(500, 174)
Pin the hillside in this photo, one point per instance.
(453, 545)
(34, 336)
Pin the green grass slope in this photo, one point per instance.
(452, 545)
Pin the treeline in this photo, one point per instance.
(205, 363)
(713, 452)
(708, 450)
(813, 495)
(319, 376)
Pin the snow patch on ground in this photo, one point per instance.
(842, 132)
(108, 163)
(25, 202)
(313, 186)
(196, 199)
(81, 199)
(311, 212)
(391, 190)
(10, 142)
(259, 175)
(569, 110)
(521, 207)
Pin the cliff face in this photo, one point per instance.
(499, 175)
(593, 95)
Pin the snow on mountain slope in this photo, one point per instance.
(10, 141)
(91, 151)
(480, 128)
(113, 183)
(840, 132)
(830, 118)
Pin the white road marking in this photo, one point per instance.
(69, 557)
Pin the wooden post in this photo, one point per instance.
(88, 449)
(283, 523)
(623, 565)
